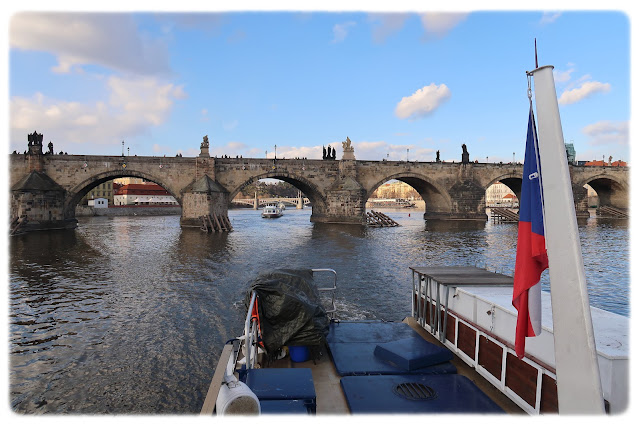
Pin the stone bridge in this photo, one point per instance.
(256, 202)
(45, 188)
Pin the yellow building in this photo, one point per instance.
(104, 190)
(499, 195)
(128, 180)
(396, 189)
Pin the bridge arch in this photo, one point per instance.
(80, 190)
(437, 198)
(310, 190)
(610, 190)
(511, 179)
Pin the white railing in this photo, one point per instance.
(251, 327)
(333, 289)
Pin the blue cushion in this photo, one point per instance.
(359, 358)
(281, 383)
(412, 353)
(451, 393)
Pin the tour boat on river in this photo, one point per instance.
(271, 212)
(461, 349)
(296, 357)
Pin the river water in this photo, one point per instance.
(129, 314)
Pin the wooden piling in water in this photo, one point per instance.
(213, 223)
(377, 219)
(502, 215)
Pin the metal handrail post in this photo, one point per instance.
(248, 333)
(412, 299)
(331, 289)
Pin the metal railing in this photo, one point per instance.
(250, 333)
(333, 307)
(251, 326)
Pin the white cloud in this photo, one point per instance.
(549, 17)
(134, 106)
(563, 76)
(386, 24)
(310, 152)
(607, 133)
(106, 39)
(340, 31)
(235, 149)
(438, 24)
(376, 151)
(146, 99)
(423, 102)
(585, 90)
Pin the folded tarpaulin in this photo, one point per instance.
(289, 309)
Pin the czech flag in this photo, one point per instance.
(532, 258)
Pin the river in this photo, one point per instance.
(129, 314)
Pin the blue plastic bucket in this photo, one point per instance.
(298, 353)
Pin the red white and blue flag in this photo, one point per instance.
(532, 258)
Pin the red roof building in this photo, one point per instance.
(142, 194)
(141, 189)
(617, 163)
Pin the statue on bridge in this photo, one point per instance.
(50, 148)
(348, 150)
(347, 144)
(437, 160)
(204, 147)
(330, 153)
(465, 155)
(323, 152)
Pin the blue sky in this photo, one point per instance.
(300, 80)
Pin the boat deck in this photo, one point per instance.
(368, 390)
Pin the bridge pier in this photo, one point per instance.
(467, 201)
(203, 197)
(345, 199)
(580, 198)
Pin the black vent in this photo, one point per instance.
(415, 391)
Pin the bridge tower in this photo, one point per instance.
(37, 201)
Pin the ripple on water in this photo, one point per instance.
(129, 314)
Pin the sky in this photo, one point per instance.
(399, 85)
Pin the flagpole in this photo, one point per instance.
(578, 380)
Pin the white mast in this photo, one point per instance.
(578, 381)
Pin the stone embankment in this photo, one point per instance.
(83, 211)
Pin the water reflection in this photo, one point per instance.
(129, 314)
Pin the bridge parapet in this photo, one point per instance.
(337, 189)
